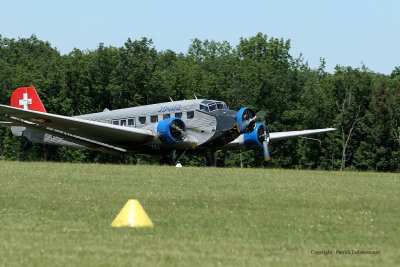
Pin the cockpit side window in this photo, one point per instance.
(204, 108)
(220, 105)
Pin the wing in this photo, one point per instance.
(286, 135)
(112, 135)
(243, 143)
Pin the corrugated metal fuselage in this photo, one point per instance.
(209, 129)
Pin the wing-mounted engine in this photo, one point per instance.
(255, 139)
(246, 120)
(171, 131)
(258, 139)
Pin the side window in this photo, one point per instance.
(190, 114)
(204, 108)
(166, 116)
(122, 122)
(154, 118)
(131, 122)
(115, 122)
(220, 105)
(142, 120)
(178, 114)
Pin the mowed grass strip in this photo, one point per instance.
(60, 214)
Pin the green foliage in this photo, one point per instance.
(259, 72)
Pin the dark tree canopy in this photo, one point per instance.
(259, 72)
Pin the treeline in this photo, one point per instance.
(259, 72)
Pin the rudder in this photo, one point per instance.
(27, 98)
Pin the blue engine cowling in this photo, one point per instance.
(171, 131)
(246, 120)
(255, 139)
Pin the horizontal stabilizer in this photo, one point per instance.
(101, 132)
(6, 123)
(70, 138)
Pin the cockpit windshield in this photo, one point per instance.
(211, 105)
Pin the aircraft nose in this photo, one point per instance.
(226, 119)
(226, 130)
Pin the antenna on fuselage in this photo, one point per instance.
(195, 96)
(171, 99)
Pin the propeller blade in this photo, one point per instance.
(267, 157)
(247, 122)
(182, 133)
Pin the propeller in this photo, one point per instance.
(263, 135)
(246, 120)
(177, 130)
(267, 157)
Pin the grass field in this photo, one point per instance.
(60, 214)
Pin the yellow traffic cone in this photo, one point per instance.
(132, 215)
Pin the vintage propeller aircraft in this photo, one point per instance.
(169, 129)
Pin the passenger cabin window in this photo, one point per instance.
(122, 122)
(115, 122)
(190, 114)
(154, 118)
(142, 120)
(131, 122)
(178, 114)
(166, 116)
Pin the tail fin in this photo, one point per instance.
(27, 98)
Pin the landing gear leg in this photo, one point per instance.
(179, 157)
(168, 159)
(211, 158)
(173, 158)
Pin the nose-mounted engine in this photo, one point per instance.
(171, 131)
(246, 120)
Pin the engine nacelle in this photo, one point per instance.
(171, 131)
(255, 139)
(246, 120)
